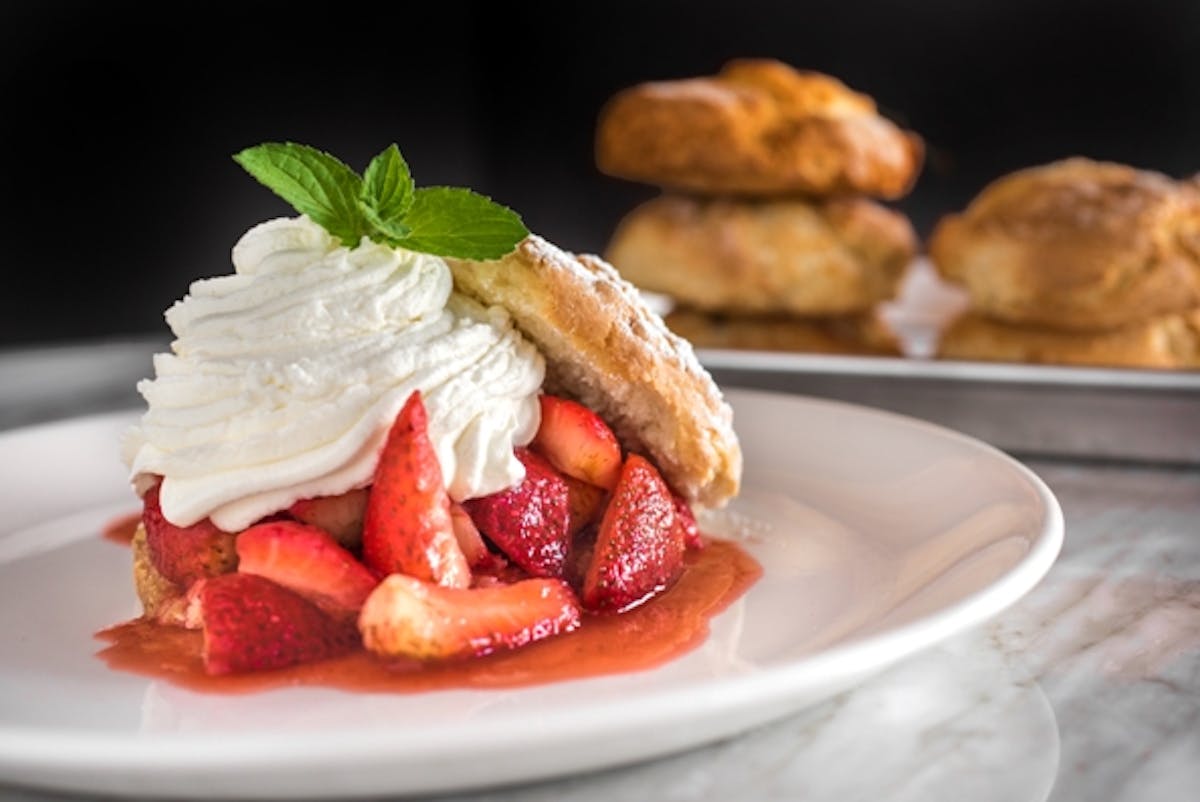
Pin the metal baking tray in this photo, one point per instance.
(1027, 410)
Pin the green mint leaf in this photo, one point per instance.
(383, 204)
(388, 185)
(312, 181)
(450, 221)
(389, 232)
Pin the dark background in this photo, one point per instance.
(117, 120)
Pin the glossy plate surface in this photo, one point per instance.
(879, 536)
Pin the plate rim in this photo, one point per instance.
(94, 751)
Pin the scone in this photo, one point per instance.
(863, 334)
(1169, 342)
(830, 257)
(1076, 245)
(758, 128)
(604, 347)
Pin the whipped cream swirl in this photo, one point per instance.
(285, 377)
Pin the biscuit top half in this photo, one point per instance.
(1092, 203)
(771, 89)
(606, 348)
(758, 128)
(1076, 244)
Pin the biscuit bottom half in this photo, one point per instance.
(759, 128)
(865, 334)
(1169, 342)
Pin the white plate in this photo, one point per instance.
(879, 535)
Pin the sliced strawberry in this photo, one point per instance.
(183, 554)
(340, 516)
(686, 520)
(307, 560)
(639, 549)
(585, 503)
(583, 546)
(252, 624)
(407, 527)
(470, 541)
(530, 522)
(405, 617)
(578, 442)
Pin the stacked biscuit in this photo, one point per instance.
(765, 235)
(1076, 262)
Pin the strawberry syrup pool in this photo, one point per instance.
(657, 631)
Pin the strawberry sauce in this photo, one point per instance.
(120, 530)
(657, 631)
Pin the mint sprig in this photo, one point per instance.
(388, 184)
(383, 204)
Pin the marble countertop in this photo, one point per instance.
(1086, 689)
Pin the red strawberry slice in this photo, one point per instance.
(479, 557)
(529, 522)
(307, 560)
(686, 520)
(578, 442)
(407, 527)
(639, 548)
(582, 548)
(405, 617)
(585, 504)
(252, 624)
(184, 554)
(340, 516)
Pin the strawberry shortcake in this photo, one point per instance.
(404, 424)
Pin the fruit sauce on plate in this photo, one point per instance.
(662, 628)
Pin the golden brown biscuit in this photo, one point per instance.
(786, 256)
(1076, 244)
(852, 335)
(758, 128)
(1170, 342)
(605, 347)
(156, 593)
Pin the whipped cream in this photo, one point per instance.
(285, 377)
